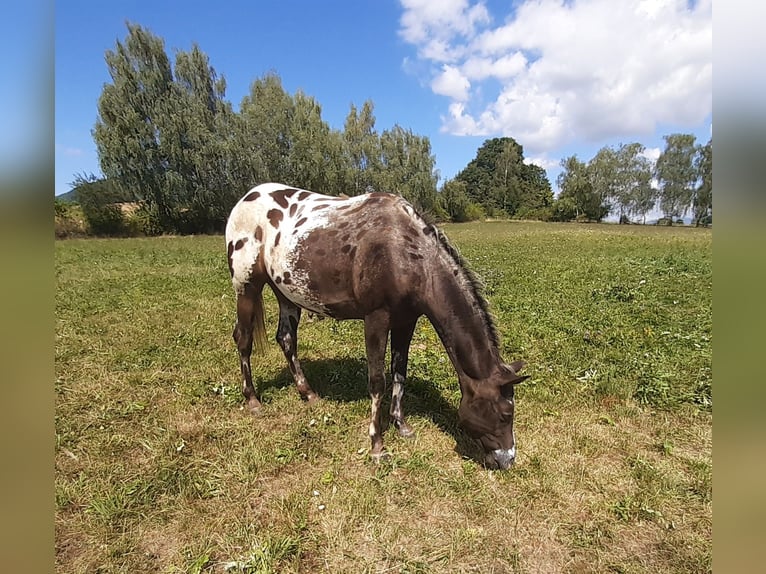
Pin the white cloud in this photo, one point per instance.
(543, 162)
(433, 26)
(451, 83)
(560, 71)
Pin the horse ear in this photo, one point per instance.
(516, 366)
(511, 377)
(517, 379)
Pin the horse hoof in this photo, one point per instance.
(404, 430)
(254, 407)
(378, 457)
(311, 398)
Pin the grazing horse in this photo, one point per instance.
(369, 257)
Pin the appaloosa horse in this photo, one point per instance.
(370, 257)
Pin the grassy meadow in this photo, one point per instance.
(158, 469)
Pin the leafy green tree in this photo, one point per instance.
(633, 192)
(576, 184)
(677, 175)
(499, 180)
(310, 163)
(362, 149)
(536, 193)
(163, 133)
(127, 134)
(603, 171)
(266, 118)
(702, 203)
(193, 134)
(456, 203)
(563, 208)
(407, 167)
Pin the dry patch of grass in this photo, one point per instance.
(159, 470)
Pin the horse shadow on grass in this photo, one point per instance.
(345, 380)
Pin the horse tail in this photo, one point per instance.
(259, 323)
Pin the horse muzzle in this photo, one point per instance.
(501, 458)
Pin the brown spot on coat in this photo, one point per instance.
(275, 217)
(286, 279)
(293, 208)
(320, 206)
(277, 238)
(303, 195)
(301, 221)
(258, 233)
(280, 198)
(240, 243)
(252, 196)
(229, 251)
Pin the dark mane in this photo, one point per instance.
(473, 281)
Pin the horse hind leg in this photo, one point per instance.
(248, 328)
(287, 337)
(400, 348)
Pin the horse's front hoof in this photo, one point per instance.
(254, 407)
(378, 457)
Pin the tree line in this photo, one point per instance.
(168, 139)
(623, 182)
(172, 146)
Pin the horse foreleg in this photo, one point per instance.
(287, 337)
(400, 349)
(375, 338)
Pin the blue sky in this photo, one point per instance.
(562, 78)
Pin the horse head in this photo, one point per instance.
(486, 414)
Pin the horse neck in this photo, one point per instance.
(461, 320)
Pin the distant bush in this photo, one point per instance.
(69, 220)
(100, 200)
(563, 209)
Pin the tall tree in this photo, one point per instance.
(310, 162)
(499, 180)
(266, 118)
(194, 136)
(702, 203)
(536, 191)
(677, 176)
(603, 174)
(362, 148)
(576, 184)
(407, 168)
(633, 192)
(127, 132)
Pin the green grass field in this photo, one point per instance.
(158, 469)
